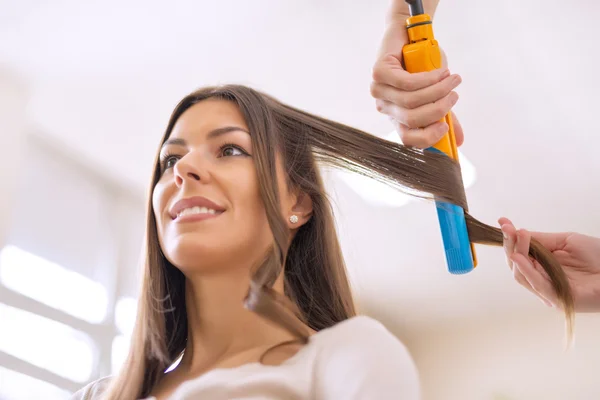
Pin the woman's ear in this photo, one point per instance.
(301, 211)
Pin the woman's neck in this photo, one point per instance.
(219, 327)
(222, 333)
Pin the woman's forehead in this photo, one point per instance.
(208, 115)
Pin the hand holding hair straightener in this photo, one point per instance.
(408, 98)
(422, 108)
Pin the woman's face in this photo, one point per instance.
(207, 204)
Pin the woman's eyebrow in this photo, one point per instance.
(221, 131)
(211, 135)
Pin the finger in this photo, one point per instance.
(510, 237)
(519, 247)
(504, 221)
(389, 71)
(520, 278)
(518, 244)
(522, 248)
(535, 280)
(551, 241)
(429, 113)
(522, 243)
(418, 98)
(458, 130)
(538, 267)
(423, 138)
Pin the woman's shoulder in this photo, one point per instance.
(361, 358)
(363, 338)
(361, 329)
(93, 390)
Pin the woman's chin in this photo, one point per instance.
(191, 256)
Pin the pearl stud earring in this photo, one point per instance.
(294, 219)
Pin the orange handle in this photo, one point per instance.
(422, 54)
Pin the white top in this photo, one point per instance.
(355, 359)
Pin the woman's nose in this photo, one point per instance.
(186, 171)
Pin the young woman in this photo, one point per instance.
(244, 277)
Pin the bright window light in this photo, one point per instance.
(46, 343)
(19, 386)
(120, 348)
(380, 194)
(125, 313)
(53, 285)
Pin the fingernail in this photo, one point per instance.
(444, 129)
(457, 79)
(445, 74)
(441, 131)
(454, 98)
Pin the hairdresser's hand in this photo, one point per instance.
(578, 254)
(415, 102)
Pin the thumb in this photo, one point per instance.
(394, 39)
(551, 241)
(392, 60)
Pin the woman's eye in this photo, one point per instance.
(170, 162)
(232, 151)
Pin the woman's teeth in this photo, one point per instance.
(196, 210)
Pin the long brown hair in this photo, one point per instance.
(317, 292)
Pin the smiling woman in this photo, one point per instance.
(207, 201)
(244, 277)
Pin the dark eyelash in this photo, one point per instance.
(166, 158)
(235, 146)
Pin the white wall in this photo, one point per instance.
(57, 206)
(510, 358)
(13, 103)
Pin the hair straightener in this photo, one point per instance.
(422, 54)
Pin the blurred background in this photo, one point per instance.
(86, 88)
